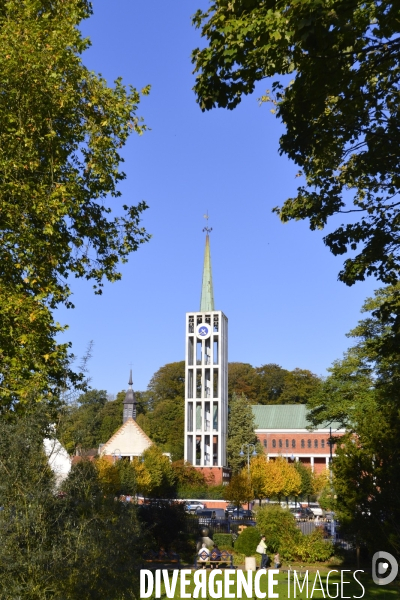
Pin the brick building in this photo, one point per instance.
(282, 430)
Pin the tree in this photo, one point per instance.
(274, 480)
(62, 130)
(339, 110)
(361, 394)
(161, 473)
(242, 381)
(239, 490)
(258, 470)
(240, 431)
(306, 477)
(278, 525)
(77, 544)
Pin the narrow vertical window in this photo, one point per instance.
(198, 449)
(207, 417)
(215, 450)
(190, 384)
(190, 416)
(215, 416)
(198, 383)
(293, 443)
(215, 383)
(198, 352)
(207, 450)
(190, 449)
(190, 350)
(215, 351)
(198, 416)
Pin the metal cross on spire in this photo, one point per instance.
(207, 228)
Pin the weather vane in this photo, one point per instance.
(207, 229)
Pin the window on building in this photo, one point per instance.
(303, 444)
(315, 443)
(322, 443)
(274, 443)
(265, 443)
(293, 443)
(308, 443)
(280, 444)
(287, 443)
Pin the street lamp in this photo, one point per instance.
(254, 453)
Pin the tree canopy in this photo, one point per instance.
(362, 394)
(340, 110)
(61, 133)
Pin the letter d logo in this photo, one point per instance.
(383, 562)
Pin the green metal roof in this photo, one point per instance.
(284, 416)
(207, 292)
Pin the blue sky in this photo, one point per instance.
(276, 283)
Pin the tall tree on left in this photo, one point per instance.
(61, 131)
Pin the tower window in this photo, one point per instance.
(293, 443)
(216, 323)
(315, 443)
(274, 443)
(191, 324)
(308, 443)
(303, 444)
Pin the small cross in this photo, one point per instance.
(207, 229)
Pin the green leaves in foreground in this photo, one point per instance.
(61, 133)
(340, 110)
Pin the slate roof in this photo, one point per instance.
(284, 416)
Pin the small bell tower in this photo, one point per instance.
(130, 402)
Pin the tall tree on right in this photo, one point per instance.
(362, 394)
(340, 110)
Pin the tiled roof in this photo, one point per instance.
(284, 416)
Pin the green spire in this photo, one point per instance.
(207, 292)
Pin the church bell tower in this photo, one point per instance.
(206, 381)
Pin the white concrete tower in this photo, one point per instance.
(206, 380)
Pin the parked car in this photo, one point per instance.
(300, 513)
(192, 506)
(317, 510)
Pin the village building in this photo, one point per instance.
(282, 430)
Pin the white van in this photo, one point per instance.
(317, 510)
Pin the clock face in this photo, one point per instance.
(203, 331)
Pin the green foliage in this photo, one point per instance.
(164, 420)
(239, 490)
(163, 521)
(91, 421)
(339, 110)
(162, 475)
(81, 545)
(308, 548)
(223, 540)
(61, 133)
(240, 431)
(247, 541)
(362, 394)
(278, 525)
(306, 475)
(271, 384)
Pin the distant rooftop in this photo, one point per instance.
(284, 416)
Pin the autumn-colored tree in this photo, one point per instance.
(258, 473)
(108, 475)
(274, 480)
(239, 490)
(240, 432)
(306, 476)
(321, 481)
(292, 479)
(161, 474)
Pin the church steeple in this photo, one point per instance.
(130, 402)
(207, 291)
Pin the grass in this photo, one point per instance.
(350, 590)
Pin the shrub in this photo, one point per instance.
(278, 525)
(223, 539)
(309, 548)
(248, 541)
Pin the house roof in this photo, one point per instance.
(285, 416)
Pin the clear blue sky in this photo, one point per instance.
(276, 283)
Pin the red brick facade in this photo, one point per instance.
(310, 447)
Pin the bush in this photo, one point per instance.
(223, 539)
(278, 525)
(248, 541)
(309, 548)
